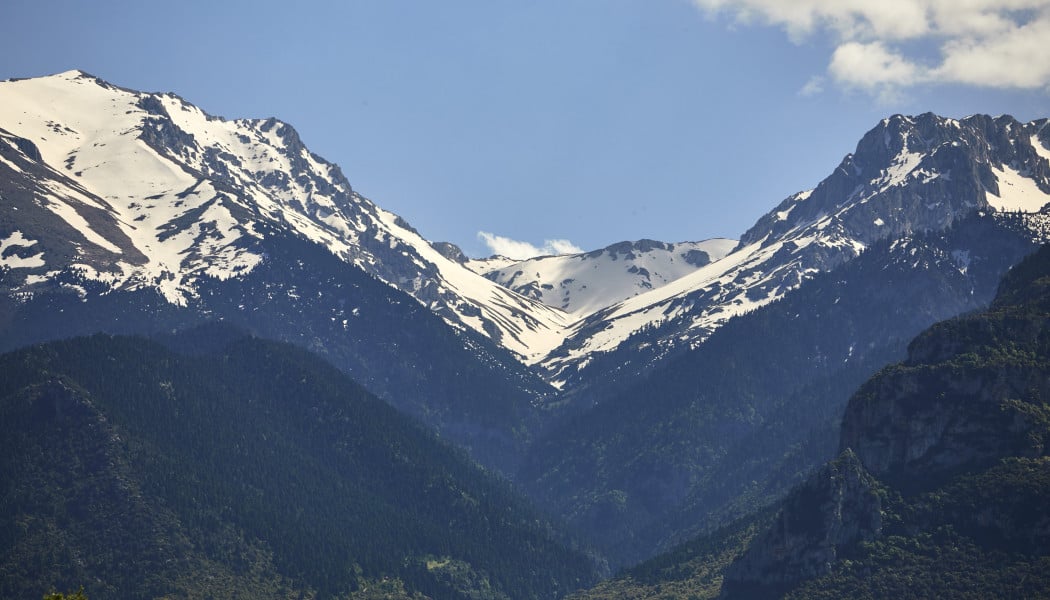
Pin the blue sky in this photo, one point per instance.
(588, 121)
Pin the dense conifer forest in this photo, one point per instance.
(957, 442)
(244, 468)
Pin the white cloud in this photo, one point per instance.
(814, 86)
(519, 250)
(873, 68)
(1021, 59)
(880, 45)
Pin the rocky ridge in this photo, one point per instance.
(958, 424)
(907, 175)
(130, 190)
(146, 191)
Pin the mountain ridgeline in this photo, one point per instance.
(729, 427)
(938, 490)
(648, 396)
(244, 468)
(458, 383)
(908, 175)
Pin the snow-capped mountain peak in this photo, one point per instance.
(907, 175)
(138, 191)
(581, 284)
(142, 190)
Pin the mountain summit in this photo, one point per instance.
(135, 190)
(136, 213)
(111, 189)
(908, 175)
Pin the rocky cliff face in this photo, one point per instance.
(926, 171)
(923, 422)
(968, 394)
(957, 437)
(836, 508)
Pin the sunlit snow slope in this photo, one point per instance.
(147, 190)
(583, 283)
(908, 174)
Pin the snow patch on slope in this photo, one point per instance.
(13, 261)
(70, 215)
(1040, 149)
(902, 166)
(1016, 192)
(536, 329)
(92, 132)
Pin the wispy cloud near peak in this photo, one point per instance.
(519, 250)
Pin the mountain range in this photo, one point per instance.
(641, 394)
(937, 488)
(135, 190)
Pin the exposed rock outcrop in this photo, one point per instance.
(957, 434)
(837, 507)
(969, 393)
(923, 422)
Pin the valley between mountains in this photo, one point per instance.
(206, 326)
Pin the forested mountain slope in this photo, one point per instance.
(732, 425)
(244, 468)
(939, 489)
